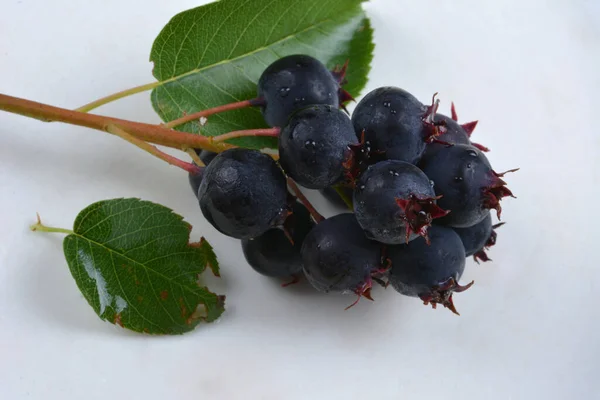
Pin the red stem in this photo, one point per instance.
(315, 214)
(146, 132)
(212, 111)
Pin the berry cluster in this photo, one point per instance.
(421, 190)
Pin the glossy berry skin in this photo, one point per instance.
(314, 146)
(338, 257)
(392, 120)
(478, 238)
(195, 179)
(292, 83)
(475, 237)
(376, 199)
(464, 177)
(243, 193)
(272, 254)
(425, 270)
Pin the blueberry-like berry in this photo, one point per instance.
(394, 202)
(196, 179)
(243, 193)
(275, 253)
(339, 258)
(393, 121)
(478, 238)
(469, 186)
(314, 146)
(292, 83)
(429, 271)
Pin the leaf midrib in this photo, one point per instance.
(136, 262)
(257, 50)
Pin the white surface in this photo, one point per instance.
(529, 329)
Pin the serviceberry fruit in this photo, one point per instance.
(275, 253)
(195, 179)
(339, 258)
(243, 193)
(469, 186)
(292, 83)
(479, 238)
(393, 122)
(314, 146)
(429, 271)
(394, 202)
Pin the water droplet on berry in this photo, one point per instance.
(469, 165)
(362, 187)
(472, 153)
(310, 144)
(284, 91)
(432, 183)
(387, 104)
(392, 172)
(458, 179)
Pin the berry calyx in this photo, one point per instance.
(419, 213)
(442, 294)
(496, 191)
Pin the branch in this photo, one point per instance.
(147, 132)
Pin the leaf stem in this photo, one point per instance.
(186, 166)
(116, 96)
(146, 132)
(38, 226)
(210, 111)
(339, 190)
(312, 210)
(272, 132)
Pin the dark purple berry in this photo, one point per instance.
(478, 238)
(429, 271)
(195, 179)
(393, 122)
(292, 83)
(275, 253)
(243, 193)
(314, 146)
(469, 186)
(394, 202)
(338, 257)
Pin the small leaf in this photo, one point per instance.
(132, 261)
(215, 54)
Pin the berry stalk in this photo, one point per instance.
(211, 111)
(313, 211)
(186, 166)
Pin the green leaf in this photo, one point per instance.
(214, 55)
(133, 262)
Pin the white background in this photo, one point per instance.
(528, 70)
